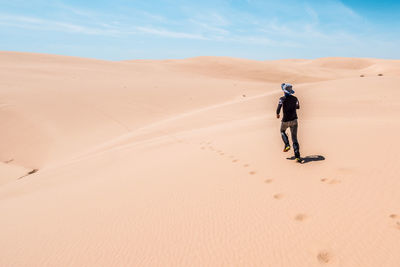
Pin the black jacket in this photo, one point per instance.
(290, 103)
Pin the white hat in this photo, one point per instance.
(287, 88)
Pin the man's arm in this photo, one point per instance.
(297, 104)
(278, 109)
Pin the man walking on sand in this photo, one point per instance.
(290, 104)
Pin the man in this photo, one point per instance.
(289, 103)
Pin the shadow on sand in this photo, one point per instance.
(308, 159)
(29, 173)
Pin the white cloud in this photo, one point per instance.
(167, 33)
(52, 25)
(77, 11)
(345, 10)
(99, 29)
(155, 17)
(209, 27)
(312, 14)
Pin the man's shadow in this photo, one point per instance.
(309, 158)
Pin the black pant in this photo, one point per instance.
(293, 130)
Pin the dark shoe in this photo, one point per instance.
(286, 149)
(300, 160)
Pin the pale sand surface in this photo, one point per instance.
(180, 163)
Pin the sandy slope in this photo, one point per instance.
(179, 163)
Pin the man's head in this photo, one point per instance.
(287, 88)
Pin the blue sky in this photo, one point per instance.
(159, 29)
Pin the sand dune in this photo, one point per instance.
(179, 163)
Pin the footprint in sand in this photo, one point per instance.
(235, 160)
(252, 172)
(300, 217)
(324, 257)
(246, 165)
(278, 196)
(8, 161)
(268, 181)
(395, 216)
(33, 171)
(331, 181)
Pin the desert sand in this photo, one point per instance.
(180, 162)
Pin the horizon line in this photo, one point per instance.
(186, 58)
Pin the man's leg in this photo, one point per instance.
(296, 146)
(285, 138)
